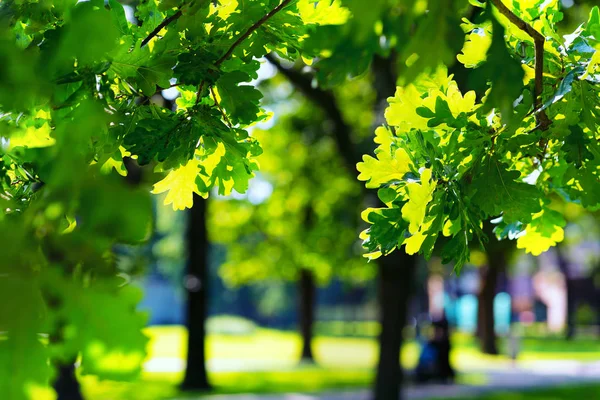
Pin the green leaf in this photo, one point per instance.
(566, 85)
(497, 191)
(499, 69)
(240, 101)
(457, 250)
(576, 147)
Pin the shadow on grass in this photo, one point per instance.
(304, 379)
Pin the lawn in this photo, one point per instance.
(266, 361)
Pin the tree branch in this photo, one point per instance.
(250, 30)
(160, 26)
(243, 37)
(325, 100)
(538, 41)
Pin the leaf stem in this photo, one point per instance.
(538, 40)
(227, 121)
(160, 26)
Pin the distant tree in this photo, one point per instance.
(351, 122)
(300, 222)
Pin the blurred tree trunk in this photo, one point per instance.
(497, 252)
(397, 269)
(570, 293)
(66, 384)
(307, 291)
(485, 309)
(196, 281)
(396, 273)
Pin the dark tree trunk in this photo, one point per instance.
(196, 281)
(485, 312)
(396, 273)
(307, 291)
(66, 384)
(497, 253)
(571, 301)
(396, 270)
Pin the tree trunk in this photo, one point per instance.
(571, 305)
(485, 311)
(66, 384)
(307, 312)
(196, 281)
(396, 272)
(497, 252)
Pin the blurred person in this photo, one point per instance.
(513, 345)
(434, 361)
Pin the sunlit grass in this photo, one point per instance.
(340, 363)
(267, 362)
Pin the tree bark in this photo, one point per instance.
(196, 281)
(307, 291)
(66, 384)
(571, 304)
(396, 273)
(497, 252)
(485, 312)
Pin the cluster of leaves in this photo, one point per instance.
(404, 28)
(447, 161)
(76, 104)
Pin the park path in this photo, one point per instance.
(530, 375)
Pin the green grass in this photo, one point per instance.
(583, 392)
(309, 379)
(342, 362)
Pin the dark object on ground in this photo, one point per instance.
(434, 361)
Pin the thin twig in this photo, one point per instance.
(327, 102)
(160, 26)
(227, 121)
(251, 30)
(243, 37)
(538, 40)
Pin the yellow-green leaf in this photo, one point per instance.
(536, 242)
(384, 168)
(321, 12)
(402, 110)
(181, 186)
(33, 137)
(419, 195)
(475, 48)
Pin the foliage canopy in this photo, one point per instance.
(76, 108)
(524, 138)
